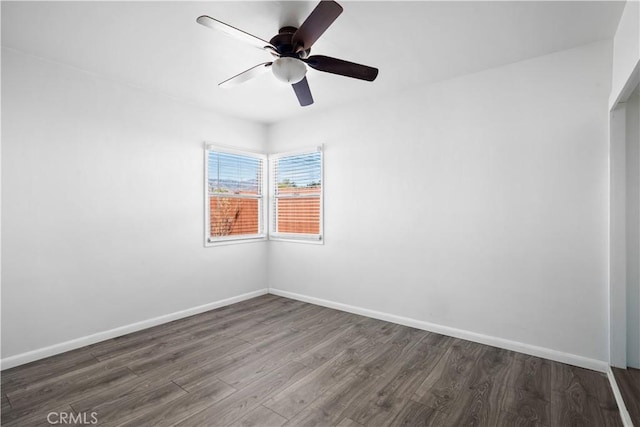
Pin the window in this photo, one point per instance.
(234, 195)
(296, 196)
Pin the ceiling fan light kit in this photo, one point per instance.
(288, 69)
(291, 48)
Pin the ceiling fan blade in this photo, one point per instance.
(316, 24)
(303, 92)
(246, 75)
(341, 67)
(234, 32)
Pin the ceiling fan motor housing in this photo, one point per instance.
(284, 44)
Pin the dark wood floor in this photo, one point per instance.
(629, 384)
(272, 361)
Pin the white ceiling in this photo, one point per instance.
(159, 46)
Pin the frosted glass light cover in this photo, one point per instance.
(289, 70)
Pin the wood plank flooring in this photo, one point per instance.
(271, 361)
(628, 381)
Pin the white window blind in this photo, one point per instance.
(234, 195)
(296, 190)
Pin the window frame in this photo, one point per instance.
(316, 239)
(262, 234)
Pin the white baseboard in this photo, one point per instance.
(624, 414)
(546, 353)
(41, 353)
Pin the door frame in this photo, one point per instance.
(617, 224)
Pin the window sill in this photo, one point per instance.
(292, 238)
(235, 241)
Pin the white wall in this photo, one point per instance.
(102, 188)
(632, 135)
(478, 203)
(626, 51)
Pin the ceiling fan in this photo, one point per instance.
(291, 48)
